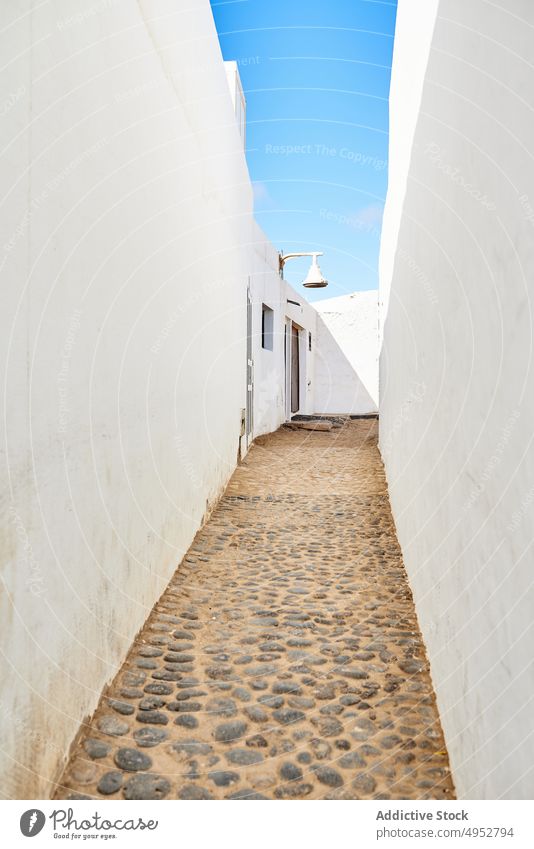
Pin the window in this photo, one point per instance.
(267, 327)
(309, 340)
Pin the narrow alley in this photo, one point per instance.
(284, 660)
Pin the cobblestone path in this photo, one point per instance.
(284, 661)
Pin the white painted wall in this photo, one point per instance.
(267, 287)
(124, 247)
(413, 36)
(238, 98)
(346, 354)
(457, 399)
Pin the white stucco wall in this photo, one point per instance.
(413, 36)
(238, 98)
(457, 399)
(125, 222)
(267, 287)
(346, 354)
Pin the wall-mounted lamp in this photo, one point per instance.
(314, 279)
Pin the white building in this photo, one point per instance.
(346, 361)
(130, 254)
(457, 399)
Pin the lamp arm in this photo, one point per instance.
(284, 257)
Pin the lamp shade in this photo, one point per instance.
(315, 279)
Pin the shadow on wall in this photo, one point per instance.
(339, 389)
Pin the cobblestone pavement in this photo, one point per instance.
(284, 660)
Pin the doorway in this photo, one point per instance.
(295, 369)
(249, 414)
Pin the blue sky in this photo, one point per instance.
(316, 79)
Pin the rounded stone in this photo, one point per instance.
(288, 716)
(327, 726)
(96, 748)
(294, 790)
(364, 783)
(132, 760)
(242, 694)
(257, 741)
(130, 693)
(148, 737)
(290, 772)
(112, 726)
(244, 757)
(223, 778)
(349, 699)
(110, 783)
(191, 747)
(412, 666)
(193, 791)
(175, 657)
(180, 647)
(271, 701)
(246, 794)
(82, 772)
(390, 741)
(152, 717)
(121, 707)
(158, 689)
(227, 732)
(149, 651)
(289, 687)
(219, 672)
(256, 713)
(186, 720)
(167, 675)
(327, 691)
(327, 775)
(301, 702)
(187, 682)
(146, 786)
(352, 760)
(331, 710)
(354, 674)
(151, 703)
(184, 706)
(369, 751)
(133, 679)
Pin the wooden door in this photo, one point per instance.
(295, 369)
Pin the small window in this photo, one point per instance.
(267, 327)
(309, 340)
